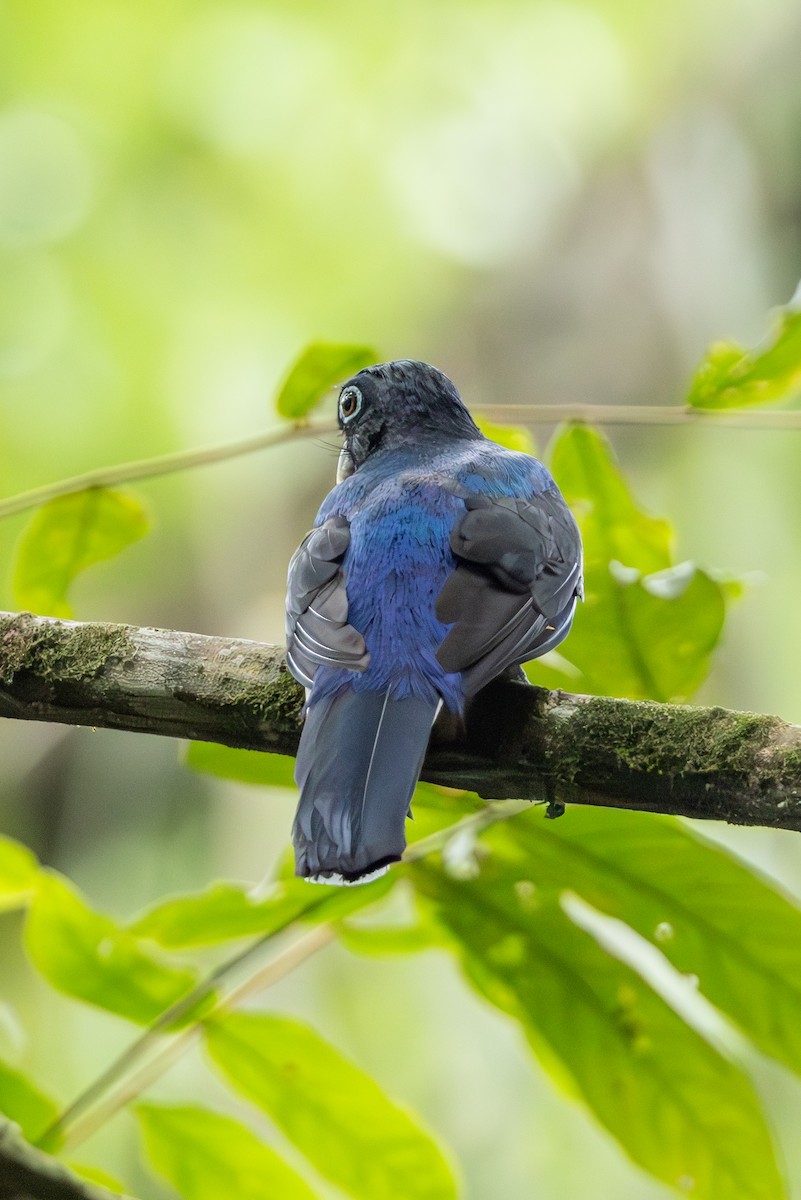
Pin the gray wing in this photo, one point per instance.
(317, 629)
(513, 593)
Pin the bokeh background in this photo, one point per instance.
(554, 202)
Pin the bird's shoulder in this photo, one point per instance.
(458, 469)
(493, 470)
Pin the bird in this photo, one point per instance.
(439, 560)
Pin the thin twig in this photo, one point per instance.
(645, 414)
(74, 1132)
(119, 1084)
(134, 1054)
(524, 414)
(165, 464)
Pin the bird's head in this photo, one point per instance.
(397, 404)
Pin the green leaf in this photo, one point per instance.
(245, 766)
(648, 626)
(513, 437)
(453, 802)
(335, 1114)
(674, 1103)
(732, 377)
(98, 1175)
(90, 957)
(66, 536)
(437, 808)
(613, 526)
(206, 1156)
(18, 874)
(319, 367)
(628, 641)
(709, 914)
(23, 1102)
(225, 911)
(375, 941)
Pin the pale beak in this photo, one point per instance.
(345, 465)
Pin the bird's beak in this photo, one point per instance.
(345, 465)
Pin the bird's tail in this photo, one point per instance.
(359, 759)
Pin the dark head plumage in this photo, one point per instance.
(397, 403)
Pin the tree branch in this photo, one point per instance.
(520, 742)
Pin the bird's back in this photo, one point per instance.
(399, 556)
(402, 508)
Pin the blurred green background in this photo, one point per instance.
(553, 202)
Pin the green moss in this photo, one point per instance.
(56, 651)
(12, 648)
(790, 760)
(275, 700)
(601, 735)
(285, 699)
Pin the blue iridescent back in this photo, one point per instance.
(402, 505)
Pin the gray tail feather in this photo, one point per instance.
(359, 759)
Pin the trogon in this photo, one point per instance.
(439, 560)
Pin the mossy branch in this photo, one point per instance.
(519, 742)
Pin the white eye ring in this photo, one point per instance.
(350, 395)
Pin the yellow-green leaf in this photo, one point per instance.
(319, 367)
(648, 625)
(246, 766)
(335, 1114)
(513, 437)
(22, 1101)
(98, 1175)
(18, 874)
(613, 524)
(90, 957)
(733, 377)
(375, 941)
(66, 536)
(226, 911)
(207, 1156)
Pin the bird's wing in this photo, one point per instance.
(513, 592)
(317, 629)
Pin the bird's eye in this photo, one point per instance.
(350, 403)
